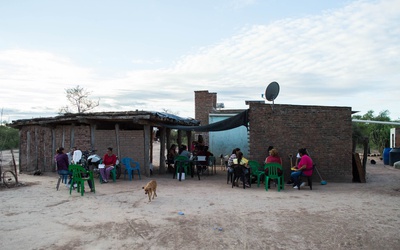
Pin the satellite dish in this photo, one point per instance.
(272, 91)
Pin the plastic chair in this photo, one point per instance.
(309, 178)
(113, 174)
(201, 164)
(255, 171)
(274, 175)
(129, 162)
(181, 162)
(79, 176)
(238, 173)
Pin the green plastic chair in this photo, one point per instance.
(273, 175)
(113, 174)
(255, 171)
(182, 161)
(79, 176)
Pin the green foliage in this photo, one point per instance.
(9, 138)
(378, 134)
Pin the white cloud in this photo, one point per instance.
(346, 57)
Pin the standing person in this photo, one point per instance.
(62, 164)
(109, 161)
(304, 168)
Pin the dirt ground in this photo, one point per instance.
(205, 214)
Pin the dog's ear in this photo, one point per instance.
(142, 187)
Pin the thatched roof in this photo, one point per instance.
(137, 117)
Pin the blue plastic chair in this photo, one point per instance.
(128, 163)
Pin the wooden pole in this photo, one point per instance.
(15, 167)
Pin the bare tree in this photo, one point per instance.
(79, 100)
(170, 111)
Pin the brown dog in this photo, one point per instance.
(150, 189)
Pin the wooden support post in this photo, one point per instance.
(163, 133)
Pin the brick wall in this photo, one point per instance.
(131, 144)
(37, 149)
(81, 137)
(205, 103)
(325, 131)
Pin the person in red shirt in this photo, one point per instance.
(109, 162)
(273, 157)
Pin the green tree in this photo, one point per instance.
(378, 134)
(9, 138)
(80, 102)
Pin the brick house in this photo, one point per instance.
(325, 131)
(129, 133)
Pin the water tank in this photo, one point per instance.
(394, 156)
(385, 154)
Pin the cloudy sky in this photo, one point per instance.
(152, 55)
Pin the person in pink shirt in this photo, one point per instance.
(109, 160)
(304, 168)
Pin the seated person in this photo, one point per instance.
(109, 162)
(201, 153)
(172, 154)
(273, 157)
(76, 156)
(290, 181)
(231, 158)
(62, 164)
(184, 152)
(304, 168)
(241, 161)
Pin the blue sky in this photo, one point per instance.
(152, 55)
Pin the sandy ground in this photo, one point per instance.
(215, 215)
